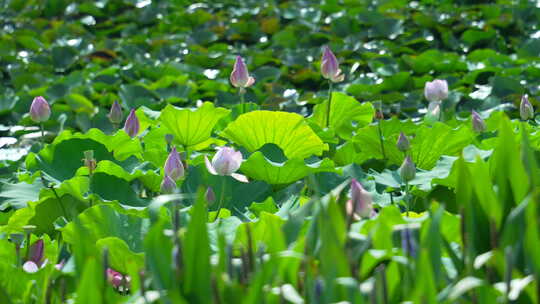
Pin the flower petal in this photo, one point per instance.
(209, 166)
(239, 177)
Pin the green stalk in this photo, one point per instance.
(329, 103)
(381, 133)
(242, 92)
(42, 138)
(221, 198)
(407, 200)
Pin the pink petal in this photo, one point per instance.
(240, 177)
(209, 166)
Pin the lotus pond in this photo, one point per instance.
(329, 151)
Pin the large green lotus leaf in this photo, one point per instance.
(45, 210)
(267, 229)
(346, 114)
(367, 140)
(103, 221)
(110, 187)
(120, 144)
(430, 143)
(191, 127)
(63, 157)
(427, 143)
(423, 179)
(130, 171)
(60, 161)
(289, 131)
(258, 167)
(121, 258)
(19, 194)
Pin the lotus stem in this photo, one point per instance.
(221, 198)
(330, 86)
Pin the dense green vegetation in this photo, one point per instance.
(154, 170)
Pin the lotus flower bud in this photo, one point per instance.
(116, 279)
(226, 161)
(403, 143)
(330, 66)
(40, 110)
(173, 165)
(407, 171)
(35, 253)
(360, 204)
(526, 110)
(168, 185)
(436, 90)
(116, 115)
(240, 76)
(210, 196)
(35, 257)
(478, 123)
(132, 124)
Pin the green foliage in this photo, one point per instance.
(464, 229)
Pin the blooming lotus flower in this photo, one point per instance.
(35, 258)
(116, 115)
(226, 161)
(403, 143)
(40, 110)
(132, 124)
(240, 76)
(330, 66)
(210, 196)
(526, 110)
(478, 123)
(173, 165)
(360, 204)
(117, 280)
(407, 171)
(168, 185)
(436, 90)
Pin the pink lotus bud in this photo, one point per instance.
(35, 257)
(403, 143)
(360, 204)
(116, 279)
(116, 115)
(407, 171)
(168, 185)
(526, 110)
(436, 90)
(226, 161)
(478, 123)
(132, 124)
(40, 110)
(35, 253)
(240, 76)
(210, 196)
(173, 166)
(330, 66)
